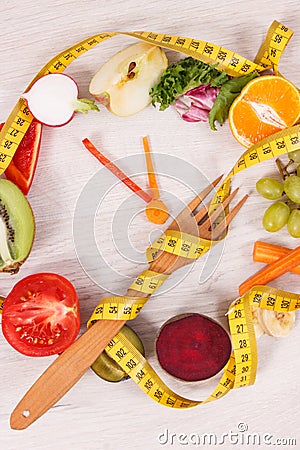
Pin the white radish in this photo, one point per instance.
(53, 100)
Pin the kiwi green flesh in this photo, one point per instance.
(17, 217)
(107, 368)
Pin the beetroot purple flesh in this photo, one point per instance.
(193, 348)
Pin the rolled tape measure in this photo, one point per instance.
(268, 56)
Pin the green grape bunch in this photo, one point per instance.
(286, 194)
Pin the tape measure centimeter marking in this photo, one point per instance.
(280, 143)
(12, 133)
(126, 307)
(276, 40)
(179, 244)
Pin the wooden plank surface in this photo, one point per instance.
(96, 414)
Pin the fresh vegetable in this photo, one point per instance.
(17, 227)
(194, 105)
(53, 100)
(192, 347)
(41, 315)
(265, 106)
(107, 368)
(276, 217)
(272, 271)
(116, 171)
(181, 77)
(122, 84)
(22, 167)
(268, 253)
(156, 210)
(228, 93)
(293, 224)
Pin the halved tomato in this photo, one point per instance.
(41, 315)
(22, 167)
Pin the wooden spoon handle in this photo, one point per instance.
(63, 373)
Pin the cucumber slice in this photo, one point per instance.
(107, 368)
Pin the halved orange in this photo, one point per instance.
(265, 106)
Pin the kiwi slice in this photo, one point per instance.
(107, 368)
(17, 227)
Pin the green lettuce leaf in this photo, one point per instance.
(228, 92)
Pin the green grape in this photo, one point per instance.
(292, 188)
(298, 171)
(276, 216)
(295, 156)
(293, 224)
(269, 188)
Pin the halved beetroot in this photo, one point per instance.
(192, 347)
(22, 167)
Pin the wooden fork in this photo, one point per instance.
(69, 367)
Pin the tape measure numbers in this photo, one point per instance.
(241, 368)
(232, 63)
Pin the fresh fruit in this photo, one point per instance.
(185, 75)
(292, 188)
(269, 188)
(22, 167)
(255, 317)
(107, 368)
(17, 227)
(265, 106)
(192, 347)
(41, 315)
(123, 83)
(277, 324)
(295, 156)
(276, 216)
(53, 100)
(293, 224)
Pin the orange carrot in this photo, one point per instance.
(268, 253)
(272, 271)
(151, 174)
(116, 171)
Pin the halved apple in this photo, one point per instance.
(123, 83)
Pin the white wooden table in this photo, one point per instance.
(96, 414)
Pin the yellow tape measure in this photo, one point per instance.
(20, 118)
(241, 368)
